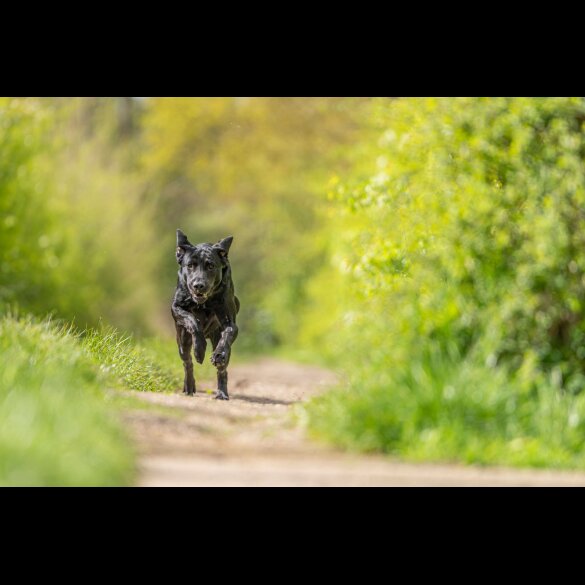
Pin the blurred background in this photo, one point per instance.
(432, 248)
(93, 190)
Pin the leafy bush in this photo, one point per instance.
(26, 259)
(76, 233)
(465, 240)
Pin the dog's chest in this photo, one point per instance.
(206, 319)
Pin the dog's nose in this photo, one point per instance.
(199, 287)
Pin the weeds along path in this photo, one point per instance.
(251, 441)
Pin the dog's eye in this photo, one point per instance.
(210, 266)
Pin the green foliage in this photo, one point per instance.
(255, 168)
(452, 408)
(26, 260)
(93, 189)
(55, 427)
(76, 232)
(445, 268)
(131, 365)
(465, 238)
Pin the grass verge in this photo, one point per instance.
(55, 426)
(58, 425)
(436, 408)
(128, 364)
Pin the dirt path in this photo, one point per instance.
(250, 441)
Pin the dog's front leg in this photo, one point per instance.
(221, 356)
(191, 324)
(222, 376)
(222, 380)
(185, 343)
(200, 346)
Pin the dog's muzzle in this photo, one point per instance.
(199, 297)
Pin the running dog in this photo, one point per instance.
(205, 307)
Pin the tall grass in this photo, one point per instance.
(59, 426)
(132, 366)
(452, 408)
(55, 426)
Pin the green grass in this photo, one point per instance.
(436, 408)
(55, 426)
(145, 368)
(60, 404)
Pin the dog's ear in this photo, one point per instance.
(182, 243)
(223, 246)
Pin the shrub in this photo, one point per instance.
(465, 240)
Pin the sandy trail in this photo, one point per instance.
(251, 441)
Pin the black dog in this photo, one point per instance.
(205, 306)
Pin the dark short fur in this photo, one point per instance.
(205, 306)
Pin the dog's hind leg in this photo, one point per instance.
(185, 343)
(222, 376)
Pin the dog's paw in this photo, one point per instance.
(221, 395)
(220, 357)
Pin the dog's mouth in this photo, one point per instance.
(199, 297)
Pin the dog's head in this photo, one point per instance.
(201, 267)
